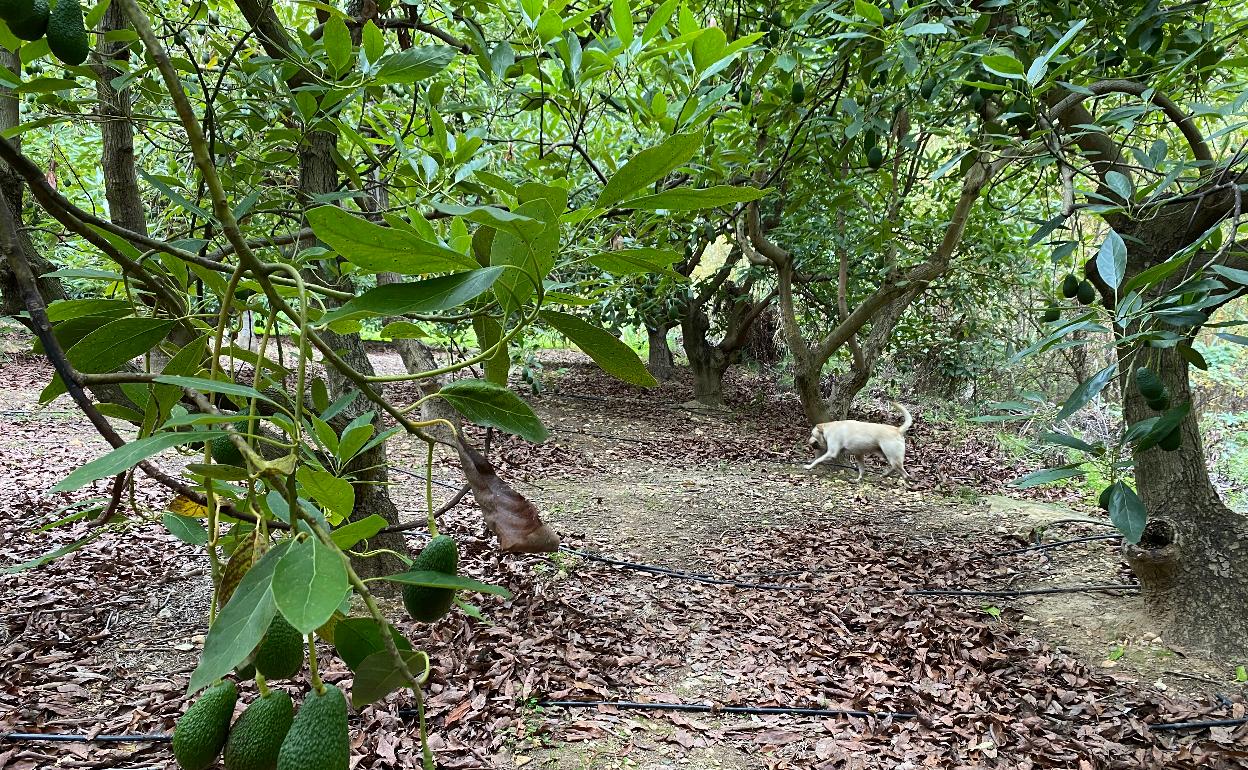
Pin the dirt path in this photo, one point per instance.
(105, 639)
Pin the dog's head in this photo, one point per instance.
(816, 439)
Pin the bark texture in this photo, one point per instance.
(660, 362)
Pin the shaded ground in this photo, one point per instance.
(103, 640)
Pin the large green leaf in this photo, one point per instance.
(683, 199)
(428, 296)
(240, 624)
(493, 216)
(378, 249)
(1127, 512)
(350, 535)
(615, 358)
(357, 638)
(1086, 391)
(66, 309)
(335, 494)
(434, 579)
(640, 261)
(110, 347)
(309, 584)
(528, 259)
(186, 361)
(1048, 476)
(648, 166)
(377, 675)
(186, 529)
(337, 40)
(205, 385)
(414, 64)
(1111, 261)
(491, 404)
(127, 456)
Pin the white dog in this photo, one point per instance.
(861, 439)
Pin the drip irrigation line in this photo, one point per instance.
(422, 476)
(697, 578)
(83, 738)
(705, 708)
(1024, 591)
(1199, 725)
(1096, 522)
(1055, 544)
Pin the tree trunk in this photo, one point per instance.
(810, 393)
(11, 303)
(1192, 561)
(881, 332)
(708, 369)
(121, 182)
(660, 361)
(318, 175)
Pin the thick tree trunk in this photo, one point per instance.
(660, 361)
(11, 303)
(708, 369)
(1193, 559)
(706, 361)
(806, 381)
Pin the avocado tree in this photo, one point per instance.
(327, 171)
(855, 118)
(1140, 136)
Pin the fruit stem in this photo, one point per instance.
(433, 523)
(261, 686)
(317, 684)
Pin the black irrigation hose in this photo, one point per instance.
(1023, 592)
(709, 579)
(704, 708)
(1199, 725)
(1055, 544)
(82, 738)
(694, 707)
(422, 476)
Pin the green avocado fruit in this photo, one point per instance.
(201, 732)
(33, 25)
(1070, 286)
(318, 737)
(425, 603)
(1149, 384)
(1051, 314)
(225, 452)
(798, 93)
(875, 157)
(280, 652)
(1085, 293)
(257, 736)
(16, 9)
(67, 33)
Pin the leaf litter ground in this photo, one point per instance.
(103, 641)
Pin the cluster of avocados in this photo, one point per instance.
(1154, 392)
(60, 21)
(1072, 288)
(269, 734)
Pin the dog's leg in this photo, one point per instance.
(858, 462)
(821, 458)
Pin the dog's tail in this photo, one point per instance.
(906, 421)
